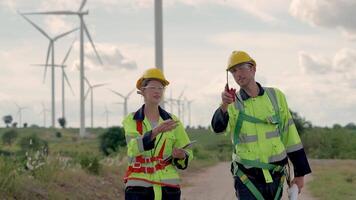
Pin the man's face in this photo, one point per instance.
(243, 74)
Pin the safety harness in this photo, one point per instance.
(266, 167)
(137, 167)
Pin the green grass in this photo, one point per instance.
(334, 179)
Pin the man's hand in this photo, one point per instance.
(299, 181)
(166, 125)
(178, 153)
(227, 99)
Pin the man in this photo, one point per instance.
(263, 133)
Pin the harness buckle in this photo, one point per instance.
(136, 165)
(147, 160)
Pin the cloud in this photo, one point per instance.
(341, 67)
(330, 14)
(259, 8)
(58, 24)
(111, 55)
(313, 64)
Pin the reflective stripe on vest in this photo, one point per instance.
(136, 167)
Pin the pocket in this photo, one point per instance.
(170, 193)
(131, 191)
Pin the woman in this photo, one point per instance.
(152, 135)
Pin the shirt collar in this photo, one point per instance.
(140, 114)
(245, 96)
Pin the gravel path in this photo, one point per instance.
(216, 182)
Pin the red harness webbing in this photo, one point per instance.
(138, 168)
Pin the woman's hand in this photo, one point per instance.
(166, 125)
(178, 153)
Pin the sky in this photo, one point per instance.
(307, 48)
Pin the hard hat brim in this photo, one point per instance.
(252, 61)
(139, 82)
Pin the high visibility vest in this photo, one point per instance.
(262, 130)
(147, 168)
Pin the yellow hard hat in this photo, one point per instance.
(152, 73)
(238, 57)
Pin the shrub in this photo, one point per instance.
(9, 137)
(112, 140)
(33, 143)
(90, 164)
(58, 134)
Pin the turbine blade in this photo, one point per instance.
(127, 96)
(61, 12)
(67, 80)
(91, 42)
(37, 27)
(64, 34)
(117, 93)
(99, 85)
(82, 5)
(44, 65)
(47, 58)
(68, 52)
(86, 80)
(86, 94)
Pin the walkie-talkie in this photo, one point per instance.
(231, 91)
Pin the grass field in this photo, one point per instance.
(63, 176)
(333, 179)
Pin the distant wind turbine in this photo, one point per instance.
(64, 78)
(49, 50)
(91, 89)
(189, 102)
(125, 98)
(107, 112)
(83, 28)
(19, 112)
(44, 111)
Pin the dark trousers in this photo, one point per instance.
(268, 190)
(147, 193)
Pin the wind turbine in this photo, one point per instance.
(44, 111)
(189, 102)
(64, 78)
(179, 101)
(126, 98)
(158, 35)
(170, 100)
(49, 50)
(19, 112)
(91, 89)
(107, 112)
(83, 28)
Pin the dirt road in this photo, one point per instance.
(216, 183)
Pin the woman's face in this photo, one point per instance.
(153, 92)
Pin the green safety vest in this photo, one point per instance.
(145, 168)
(262, 132)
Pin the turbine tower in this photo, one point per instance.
(19, 112)
(83, 28)
(64, 78)
(158, 35)
(50, 50)
(106, 113)
(125, 98)
(44, 111)
(91, 89)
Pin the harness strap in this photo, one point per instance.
(137, 165)
(244, 179)
(155, 182)
(139, 126)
